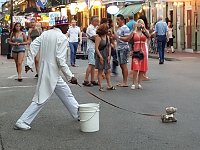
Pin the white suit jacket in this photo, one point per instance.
(53, 47)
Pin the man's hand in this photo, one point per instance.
(115, 36)
(27, 68)
(73, 80)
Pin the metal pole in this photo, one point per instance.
(11, 14)
(195, 25)
(150, 15)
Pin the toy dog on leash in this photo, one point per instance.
(169, 117)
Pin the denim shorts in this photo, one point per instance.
(91, 56)
(122, 54)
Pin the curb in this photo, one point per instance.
(166, 58)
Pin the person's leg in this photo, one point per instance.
(109, 85)
(63, 91)
(93, 73)
(160, 51)
(140, 75)
(171, 45)
(88, 72)
(124, 74)
(19, 64)
(135, 79)
(15, 57)
(100, 72)
(37, 59)
(75, 51)
(31, 112)
(114, 65)
(71, 46)
(163, 49)
(90, 64)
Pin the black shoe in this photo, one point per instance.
(87, 83)
(161, 63)
(36, 76)
(94, 83)
(19, 80)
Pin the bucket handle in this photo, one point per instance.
(90, 117)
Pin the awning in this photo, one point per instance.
(130, 10)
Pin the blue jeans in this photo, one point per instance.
(161, 41)
(73, 49)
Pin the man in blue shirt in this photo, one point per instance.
(161, 30)
(131, 23)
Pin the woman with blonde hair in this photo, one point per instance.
(139, 54)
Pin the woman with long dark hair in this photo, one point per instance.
(18, 40)
(103, 55)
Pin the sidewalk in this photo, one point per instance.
(176, 56)
(3, 59)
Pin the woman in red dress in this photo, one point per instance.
(139, 67)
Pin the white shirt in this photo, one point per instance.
(91, 31)
(53, 48)
(122, 31)
(170, 33)
(73, 33)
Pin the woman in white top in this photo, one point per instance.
(170, 38)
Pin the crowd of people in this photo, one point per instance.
(48, 52)
(103, 43)
(104, 46)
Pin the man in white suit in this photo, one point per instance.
(53, 45)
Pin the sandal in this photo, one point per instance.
(111, 88)
(87, 83)
(101, 90)
(94, 83)
(122, 85)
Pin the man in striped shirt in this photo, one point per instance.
(161, 30)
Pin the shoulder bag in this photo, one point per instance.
(138, 54)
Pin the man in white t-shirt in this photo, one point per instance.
(122, 48)
(75, 38)
(91, 34)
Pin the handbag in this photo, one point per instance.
(138, 54)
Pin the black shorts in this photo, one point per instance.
(170, 42)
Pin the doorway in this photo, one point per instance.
(189, 28)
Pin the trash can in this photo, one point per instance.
(4, 44)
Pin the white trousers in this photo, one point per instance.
(64, 93)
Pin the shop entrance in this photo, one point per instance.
(189, 29)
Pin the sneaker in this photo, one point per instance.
(139, 86)
(133, 87)
(21, 125)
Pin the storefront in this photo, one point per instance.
(185, 15)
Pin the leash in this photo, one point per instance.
(113, 105)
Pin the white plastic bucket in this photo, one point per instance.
(89, 117)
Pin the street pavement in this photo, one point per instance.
(176, 83)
